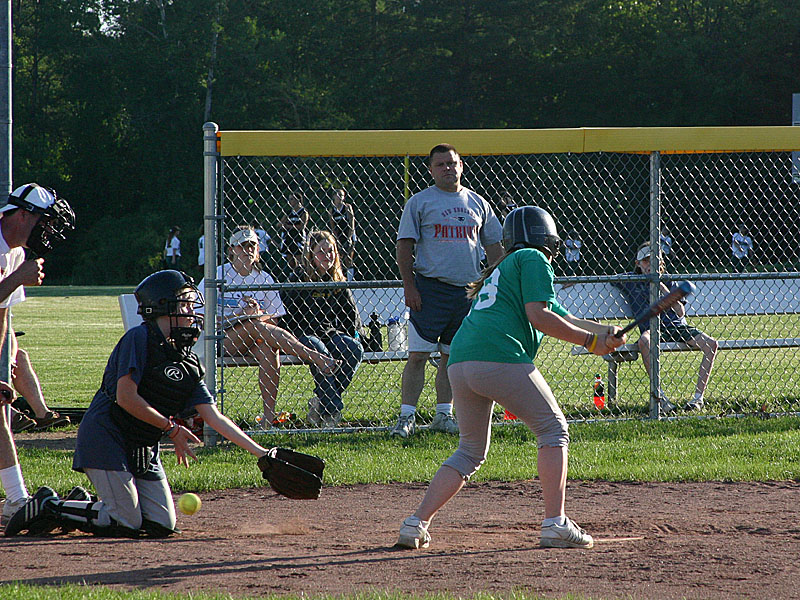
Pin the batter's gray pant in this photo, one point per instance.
(519, 388)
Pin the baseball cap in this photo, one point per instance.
(240, 236)
(30, 196)
(644, 252)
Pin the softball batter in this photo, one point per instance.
(491, 360)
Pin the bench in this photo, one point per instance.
(714, 298)
(386, 302)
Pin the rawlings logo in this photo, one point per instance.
(173, 373)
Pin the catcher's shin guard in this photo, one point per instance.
(84, 515)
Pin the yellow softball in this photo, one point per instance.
(189, 503)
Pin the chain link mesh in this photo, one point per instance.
(602, 203)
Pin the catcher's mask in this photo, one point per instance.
(56, 216)
(531, 227)
(172, 293)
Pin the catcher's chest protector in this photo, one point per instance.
(169, 378)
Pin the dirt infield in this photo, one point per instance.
(693, 540)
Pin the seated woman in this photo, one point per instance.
(328, 321)
(248, 320)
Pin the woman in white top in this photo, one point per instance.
(247, 318)
(172, 249)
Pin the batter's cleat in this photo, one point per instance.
(444, 422)
(568, 535)
(695, 404)
(406, 426)
(413, 534)
(10, 509)
(34, 512)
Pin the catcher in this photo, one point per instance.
(151, 376)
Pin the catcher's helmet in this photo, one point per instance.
(161, 293)
(531, 227)
(56, 220)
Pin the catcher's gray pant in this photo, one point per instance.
(127, 499)
(520, 388)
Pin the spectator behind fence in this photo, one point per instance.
(201, 250)
(513, 307)
(505, 204)
(572, 253)
(248, 319)
(151, 376)
(439, 241)
(35, 218)
(342, 222)
(327, 321)
(741, 244)
(293, 230)
(172, 249)
(674, 328)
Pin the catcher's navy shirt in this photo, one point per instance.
(100, 443)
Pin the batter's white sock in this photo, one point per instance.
(406, 410)
(445, 408)
(13, 483)
(560, 521)
(698, 397)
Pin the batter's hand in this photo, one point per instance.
(608, 342)
(7, 394)
(181, 438)
(412, 298)
(31, 272)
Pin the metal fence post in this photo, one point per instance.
(655, 280)
(210, 162)
(6, 162)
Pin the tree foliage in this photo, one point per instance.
(110, 95)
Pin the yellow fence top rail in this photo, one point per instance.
(667, 140)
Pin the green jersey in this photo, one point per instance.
(497, 328)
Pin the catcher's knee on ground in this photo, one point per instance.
(465, 463)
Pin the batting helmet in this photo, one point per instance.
(531, 227)
(56, 220)
(161, 293)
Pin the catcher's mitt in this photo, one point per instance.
(292, 474)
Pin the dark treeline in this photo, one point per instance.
(110, 96)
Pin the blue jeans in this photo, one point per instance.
(329, 388)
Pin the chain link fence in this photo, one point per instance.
(727, 221)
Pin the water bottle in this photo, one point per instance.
(375, 340)
(599, 393)
(396, 334)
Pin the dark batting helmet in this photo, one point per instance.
(531, 227)
(161, 293)
(56, 215)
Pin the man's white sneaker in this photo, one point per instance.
(444, 422)
(569, 535)
(695, 404)
(406, 426)
(413, 534)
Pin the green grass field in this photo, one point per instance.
(70, 332)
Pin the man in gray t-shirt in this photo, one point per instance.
(439, 241)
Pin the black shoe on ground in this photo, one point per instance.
(32, 513)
